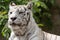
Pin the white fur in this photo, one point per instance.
(32, 31)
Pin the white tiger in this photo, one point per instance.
(22, 24)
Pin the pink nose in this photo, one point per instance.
(13, 18)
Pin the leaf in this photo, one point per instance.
(35, 0)
(6, 32)
(52, 2)
(41, 25)
(1, 6)
(47, 14)
(3, 12)
(37, 3)
(44, 5)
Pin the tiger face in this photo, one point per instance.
(19, 14)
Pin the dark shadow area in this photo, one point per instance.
(1, 37)
(55, 18)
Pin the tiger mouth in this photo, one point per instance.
(13, 24)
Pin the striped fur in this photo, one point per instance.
(24, 26)
(48, 36)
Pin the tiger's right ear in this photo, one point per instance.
(11, 4)
(29, 5)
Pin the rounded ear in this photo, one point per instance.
(29, 5)
(11, 4)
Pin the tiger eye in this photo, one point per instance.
(24, 14)
(10, 12)
(20, 12)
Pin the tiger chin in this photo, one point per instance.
(22, 23)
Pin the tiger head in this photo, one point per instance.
(19, 14)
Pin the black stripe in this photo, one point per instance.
(25, 9)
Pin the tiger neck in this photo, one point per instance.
(29, 28)
(32, 25)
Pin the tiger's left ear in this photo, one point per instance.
(11, 4)
(29, 5)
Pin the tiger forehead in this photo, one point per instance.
(20, 7)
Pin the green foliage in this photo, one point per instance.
(41, 13)
(3, 19)
(6, 32)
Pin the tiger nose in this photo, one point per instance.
(13, 18)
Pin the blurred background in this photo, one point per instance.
(45, 12)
